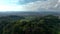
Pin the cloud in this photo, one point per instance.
(11, 8)
(33, 6)
(42, 5)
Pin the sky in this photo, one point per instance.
(29, 5)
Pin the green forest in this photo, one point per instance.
(13, 24)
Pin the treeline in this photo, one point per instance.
(30, 25)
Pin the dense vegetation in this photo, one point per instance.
(30, 24)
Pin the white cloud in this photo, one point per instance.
(41, 5)
(33, 6)
(11, 8)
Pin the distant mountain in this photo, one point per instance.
(30, 13)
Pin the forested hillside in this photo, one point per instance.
(29, 24)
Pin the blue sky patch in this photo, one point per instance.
(28, 1)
